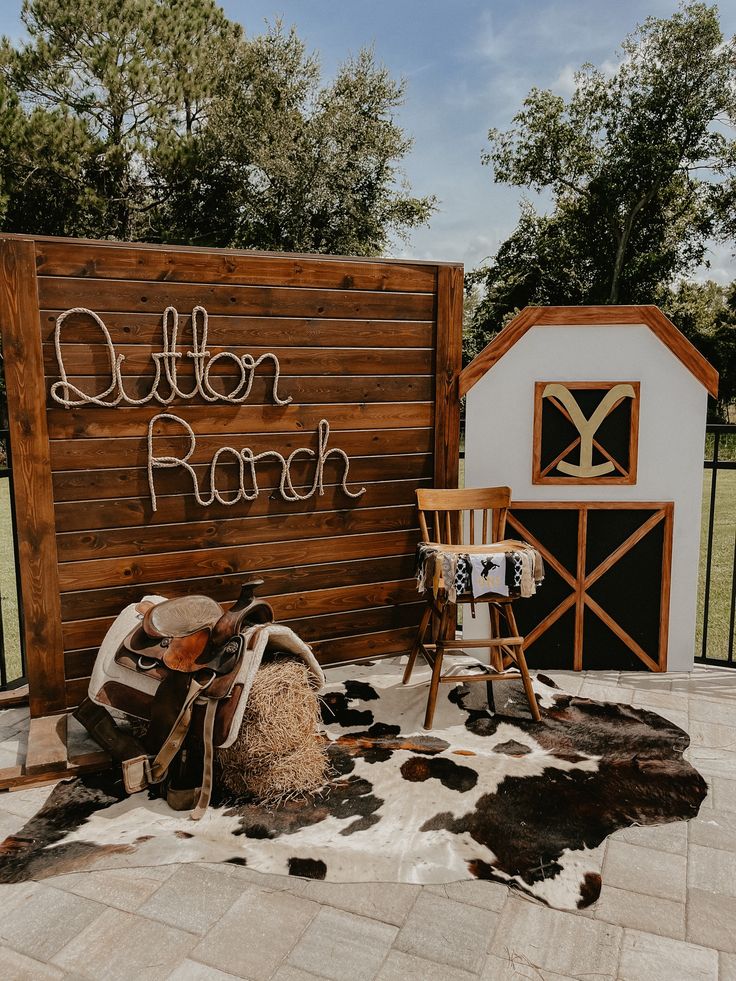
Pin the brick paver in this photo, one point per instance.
(667, 909)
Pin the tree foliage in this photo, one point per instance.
(627, 157)
(284, 162)
(639, 166)
(706, 315)
(161, 120)
(117, 77)
(42, 155)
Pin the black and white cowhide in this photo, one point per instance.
(487, 796)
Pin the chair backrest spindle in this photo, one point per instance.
(454, 503)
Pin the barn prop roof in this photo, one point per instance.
(650, 316)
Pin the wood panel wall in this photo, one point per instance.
(372, 346)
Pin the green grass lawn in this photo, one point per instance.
(8, 594)
(724, 528)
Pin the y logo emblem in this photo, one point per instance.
(587, 427)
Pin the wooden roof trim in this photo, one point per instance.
(649, 315)
(608, 314)
(681, 347)
(493, 352)
(172, 247)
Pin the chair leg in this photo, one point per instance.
(491, 697)
(495, 659)
(434, 685)
(523, 669)
(528, 687)
(421, 631)
(433, 689)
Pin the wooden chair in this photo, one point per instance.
(444, 511)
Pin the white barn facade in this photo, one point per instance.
(530, 396)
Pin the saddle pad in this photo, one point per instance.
(109, 676)
(272, 638)
(116, 684)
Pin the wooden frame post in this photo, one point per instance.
(449, 363)
(449, 354)
(24, 379)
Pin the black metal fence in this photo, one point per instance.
(717, 593)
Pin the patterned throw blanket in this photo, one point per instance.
(505, 568)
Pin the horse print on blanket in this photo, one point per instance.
(487, 796)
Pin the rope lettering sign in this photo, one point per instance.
(166, 388)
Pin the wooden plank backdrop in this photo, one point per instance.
(373, 346)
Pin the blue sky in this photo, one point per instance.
(468, 65)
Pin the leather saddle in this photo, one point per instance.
(182, 666)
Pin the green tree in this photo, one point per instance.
(637, 163)
(160, 120)
(285, 162)
(542, 262)
(696, 308)
(723, 354)
(126, 74)
(706, 314)
(42, 154)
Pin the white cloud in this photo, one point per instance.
(488, 41)
(609, 67)
(722, 268)
(565, 83)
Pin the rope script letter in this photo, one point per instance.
(165, 367)
(165, 376)
(246, 460)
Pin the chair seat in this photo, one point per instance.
(466, 597)
(485, 598)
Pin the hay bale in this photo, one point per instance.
(279, 751)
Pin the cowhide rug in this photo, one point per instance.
(487, 796)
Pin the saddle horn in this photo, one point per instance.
(245, 611)
(247, 594)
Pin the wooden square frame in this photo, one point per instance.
(624, 475)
